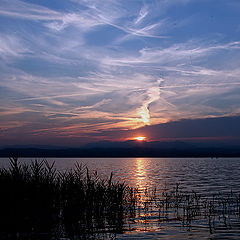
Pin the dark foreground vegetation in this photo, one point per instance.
(189, 211)
(38, 202)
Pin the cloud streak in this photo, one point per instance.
(84, 66)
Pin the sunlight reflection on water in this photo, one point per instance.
(140, 174)
(205, 176)
(198, 174)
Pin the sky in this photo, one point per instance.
(77, 71)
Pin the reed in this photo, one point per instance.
(37, 201)
(218, 211)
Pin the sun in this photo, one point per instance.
(139, 138)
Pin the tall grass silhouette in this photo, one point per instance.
(37, 201)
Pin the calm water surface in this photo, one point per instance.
(199, 174)
(203, 175)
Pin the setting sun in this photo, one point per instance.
(140, 138)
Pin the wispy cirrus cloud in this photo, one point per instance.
(11, 46)
(85, 66)
(21, 9)
(183, 53)
(142, 14)
(84, 19)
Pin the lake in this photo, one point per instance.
(207, 177)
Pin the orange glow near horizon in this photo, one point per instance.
(140, 138)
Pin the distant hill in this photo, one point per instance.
(129, 149)
(208, 137)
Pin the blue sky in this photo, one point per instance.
(75, 69)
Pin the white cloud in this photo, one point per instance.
(109, 84)
(20, 9)
(142, 14)
(11, 46)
